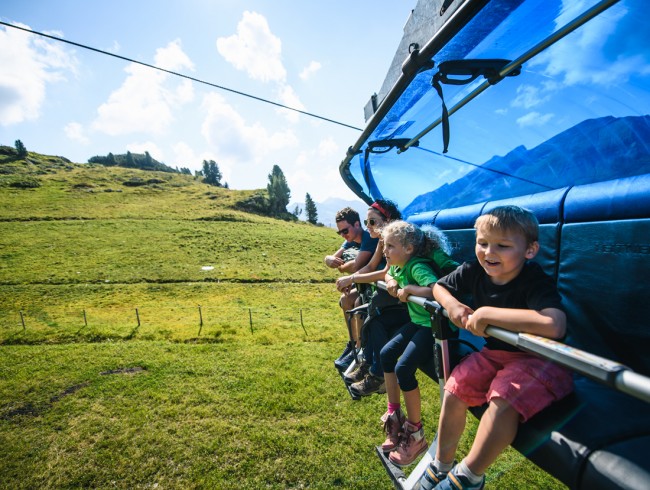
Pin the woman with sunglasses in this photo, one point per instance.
(385, 313)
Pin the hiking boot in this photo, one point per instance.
(392, 427)
(455, 481)
(432, 477)
(412, 443)
(346, 358)
(369, 385)
(358, 373)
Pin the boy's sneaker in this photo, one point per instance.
(346, 358)
(455, 481)
(432, 477)
(412, 443)
(392, 428)
(358, 374)
(369, 385)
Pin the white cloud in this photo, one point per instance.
(528, 97)
(310, 70)
(144, 103)
(561, 61)
(184, 156)
(173, 58)
(147, 146)
(28, 64)
(254, 49)
(239, 144)
(534, 119)
(316, 171)
(75, 132)
(289, 98)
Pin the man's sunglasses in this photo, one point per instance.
(371, 222)
(344, 231)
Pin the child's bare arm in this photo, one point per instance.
(457, 311)
(549, 322)
(415, 290)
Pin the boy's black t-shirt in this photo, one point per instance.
(532, 289)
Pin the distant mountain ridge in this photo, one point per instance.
(591, 151)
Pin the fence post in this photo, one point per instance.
(137, 315)
(22, 319)
(250, 318)
(200, 320)
(301, 323)
(85, 319)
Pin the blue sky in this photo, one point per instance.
(325, 58)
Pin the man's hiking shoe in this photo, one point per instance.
(432, 477)
(392, 428)
(369, 385)
(455, 481)
(358, 374)
(346, 358)
(412, 443)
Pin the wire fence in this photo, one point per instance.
(167, 320)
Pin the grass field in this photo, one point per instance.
(239, 394)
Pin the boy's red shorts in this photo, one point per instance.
(527, 382)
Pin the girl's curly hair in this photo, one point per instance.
(424, 240)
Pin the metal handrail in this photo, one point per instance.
(605, 371)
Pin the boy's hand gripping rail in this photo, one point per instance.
(603, 370)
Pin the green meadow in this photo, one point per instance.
(153, 336)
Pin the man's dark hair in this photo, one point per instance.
(348, 214)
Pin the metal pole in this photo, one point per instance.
(137, 315)
(22, 319)
(250, 319)
(200, 320)
(85, 319)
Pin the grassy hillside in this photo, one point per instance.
(75, 238)
(152, 336)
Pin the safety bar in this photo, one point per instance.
(610, 373)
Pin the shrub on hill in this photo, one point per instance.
(132, 160)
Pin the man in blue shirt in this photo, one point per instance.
(355, 252)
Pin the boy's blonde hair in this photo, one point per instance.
(511, 218)
(424, 241)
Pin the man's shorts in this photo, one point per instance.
(527, 382)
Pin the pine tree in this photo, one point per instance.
(278, 191)
(310, 210)
(20, 148)
(211, 173)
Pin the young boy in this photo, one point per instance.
(510, 293)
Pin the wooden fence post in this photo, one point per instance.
(301, 322)
(22, 319)
(250, 318)
(200, 320)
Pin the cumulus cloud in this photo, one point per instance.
(254, 49)
(528, 96)
(289, 98)
(534, 119)
(310, 70)
(235, 140)
(316, 171)
(185, 156)
(144, 103)
(561, 61)
(28, 64)
(75, 132)
(147, 146)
